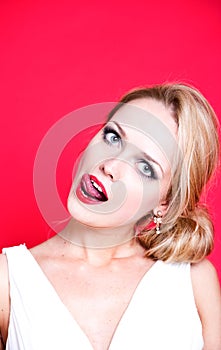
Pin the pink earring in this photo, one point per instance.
(158, 221)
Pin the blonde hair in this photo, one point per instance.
(187, 233)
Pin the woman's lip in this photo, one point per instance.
(87, 193)
(92, 177)
(85, 199)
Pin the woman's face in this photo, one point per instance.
(125, 171)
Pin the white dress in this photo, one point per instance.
(160, 316)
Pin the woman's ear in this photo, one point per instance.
(161, 208)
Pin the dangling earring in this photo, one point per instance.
(158, 221)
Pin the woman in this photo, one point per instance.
(129, 269)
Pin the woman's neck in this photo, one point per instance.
(100, 245)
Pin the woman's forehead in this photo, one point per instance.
(140, 109)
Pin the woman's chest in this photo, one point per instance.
(96, 297)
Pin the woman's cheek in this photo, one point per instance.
(142, 196)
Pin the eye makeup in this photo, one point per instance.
(113, 138)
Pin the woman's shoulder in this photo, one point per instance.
(205, 282)
(204, 275)
(4, 296)
(3, 273)
(207, 293)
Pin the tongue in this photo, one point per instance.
(89, 188)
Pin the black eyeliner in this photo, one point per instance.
(107, 129)
(154, 175)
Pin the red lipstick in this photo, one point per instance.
(93, 178)
(90, 190)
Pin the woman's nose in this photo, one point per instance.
(111, 168)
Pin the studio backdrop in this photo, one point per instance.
(59, 56)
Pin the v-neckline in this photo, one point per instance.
(66, 311)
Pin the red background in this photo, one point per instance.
(57, 56)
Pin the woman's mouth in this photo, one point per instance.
(90, 190)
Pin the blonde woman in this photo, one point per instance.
(129, 269)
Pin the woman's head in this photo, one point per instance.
(186, 223)
(176, 129)
(130, 159)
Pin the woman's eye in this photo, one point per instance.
(111, 137)
(146, 169)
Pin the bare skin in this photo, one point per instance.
(106, 281)
(96, 285)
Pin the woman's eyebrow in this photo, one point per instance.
(119, 128)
